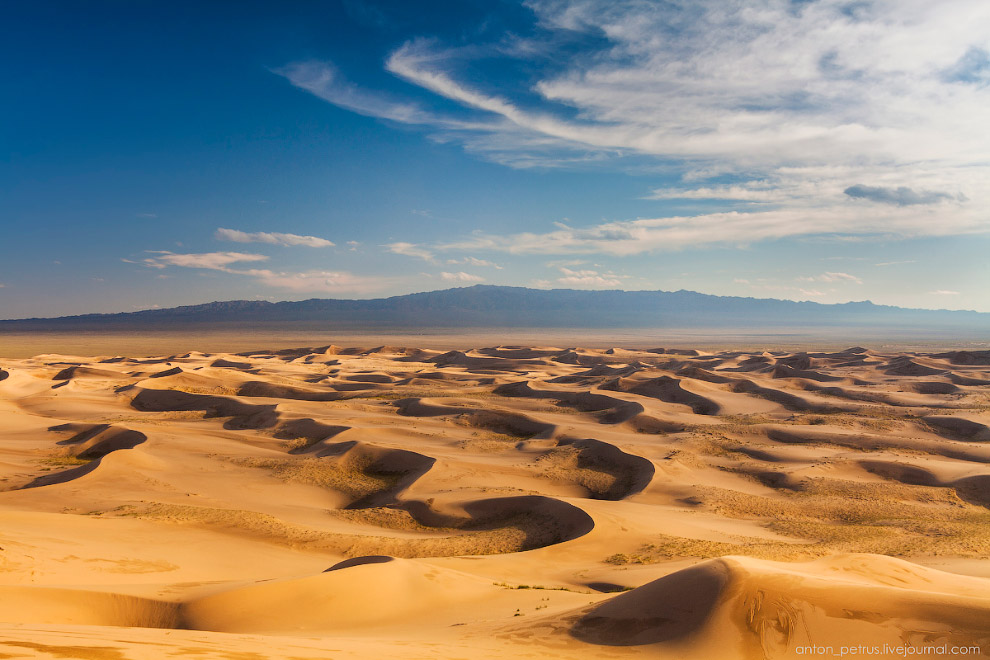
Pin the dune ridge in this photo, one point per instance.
(495, 502)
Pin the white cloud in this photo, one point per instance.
(313, 281)
(826, 113)
(207, 260)
(318, 281)
(812, 293)
(740, 280)
(461, 277)
(626, 237)
(410, 250)
(773, 81)
(896, 263)
(472, 261)
(832, 277)
(712, 80)
(589, 278)
(322, 79)
(944, 292)
(272, 238)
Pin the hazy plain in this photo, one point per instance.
(235, 337)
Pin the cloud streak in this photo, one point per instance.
(799, 103)
(832, 277)
(629, 237)
(460, 276)
(204, 260)
(410, 250)
(474, 261)
(321, 79)
(591, 279)
(312, 281)
(318, 281)
(272, 238)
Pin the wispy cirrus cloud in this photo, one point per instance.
(810, 108)
(410, 250)
(272, 238)
(205, 260)
(322, 79)
(474, 261)
(726, 80)
(460, 276)
(645, 235)
(589, 278)
(319, 281)
(311, 281)
(832, 277)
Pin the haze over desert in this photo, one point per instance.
(510, 501)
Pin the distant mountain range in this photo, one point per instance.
(503, 306)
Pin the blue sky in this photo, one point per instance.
(159, 154)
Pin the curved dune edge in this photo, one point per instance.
(475, 527)
(607, 472)
(740, 607)
(363, 595)
(493, 502)
(362, 592)
(735, 607)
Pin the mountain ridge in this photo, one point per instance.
(491, 305)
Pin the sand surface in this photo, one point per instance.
(504, 502)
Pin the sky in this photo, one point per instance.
(155, 154)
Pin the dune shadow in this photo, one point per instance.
(665, 610)
(242, 415)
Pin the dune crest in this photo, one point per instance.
(500, 501)
(753, 608)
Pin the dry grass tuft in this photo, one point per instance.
(489, 442)
(353, 479)
(512, 535)
(562, 464)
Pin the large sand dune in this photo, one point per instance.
(499, 502)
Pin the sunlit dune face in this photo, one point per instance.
(495, 499)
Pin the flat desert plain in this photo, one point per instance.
(505, 502)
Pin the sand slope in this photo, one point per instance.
(496, 502)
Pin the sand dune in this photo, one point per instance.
(741, 607)
(495, 502)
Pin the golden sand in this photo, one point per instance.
(514, 501)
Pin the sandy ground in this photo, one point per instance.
(505, 502)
